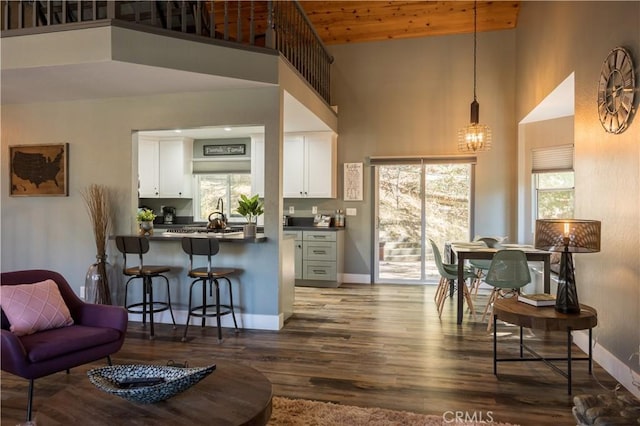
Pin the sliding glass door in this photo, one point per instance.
(415, 202)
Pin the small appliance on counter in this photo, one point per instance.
(169, 215)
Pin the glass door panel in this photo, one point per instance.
(414, 203)
(448, 208)
(399, 222)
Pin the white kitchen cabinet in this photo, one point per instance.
(298, 252)
(148, 166)
(257, 165)
(165, 167)
(310, 165)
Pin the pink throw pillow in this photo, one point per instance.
(34, 307)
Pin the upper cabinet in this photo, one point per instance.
(310, 165)
(165, 167)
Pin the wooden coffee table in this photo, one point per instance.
(234, 394)
(547, 319)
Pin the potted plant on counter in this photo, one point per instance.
(250, 208)
(145, 218)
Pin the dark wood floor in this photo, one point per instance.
(381, 346)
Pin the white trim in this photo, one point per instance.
(252, 321)
(618, 369)
(356, 278)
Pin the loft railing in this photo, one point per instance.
(279, 25)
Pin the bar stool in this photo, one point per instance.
(140, 245)
(207, 247)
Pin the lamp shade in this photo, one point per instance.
(572, 235)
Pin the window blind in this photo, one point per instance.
(552, 159)
(433, 159)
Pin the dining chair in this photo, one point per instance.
(481, 266)
(448, 273)
(508, 273)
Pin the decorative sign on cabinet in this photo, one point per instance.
(310, 165)
(164, 167)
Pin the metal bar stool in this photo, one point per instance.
(140, 245)
(207, 247)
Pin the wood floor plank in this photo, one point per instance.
(373, 346)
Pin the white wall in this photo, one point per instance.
(555, 39)
(55, 233)
(410, 97)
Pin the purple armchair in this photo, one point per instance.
(98, 331)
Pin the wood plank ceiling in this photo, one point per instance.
(339, 22)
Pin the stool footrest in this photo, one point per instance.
(157, 307)
(198, 311)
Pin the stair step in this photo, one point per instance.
(402, 258)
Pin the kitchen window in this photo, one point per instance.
(209, 188)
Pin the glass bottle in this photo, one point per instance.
(97, 282)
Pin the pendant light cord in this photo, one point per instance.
(475, 44)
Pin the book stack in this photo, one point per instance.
(539, 299)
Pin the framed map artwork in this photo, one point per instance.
(39, 170)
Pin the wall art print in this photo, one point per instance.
(39, 170)
(353, 182)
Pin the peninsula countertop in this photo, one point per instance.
(233, 237)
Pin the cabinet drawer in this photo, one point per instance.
(319, 251)
(318, 270)
(297, 234)
(319, 236)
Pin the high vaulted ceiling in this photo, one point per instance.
(339, 22)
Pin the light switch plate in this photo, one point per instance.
(292, 210)
(351, 211)
(314, 210)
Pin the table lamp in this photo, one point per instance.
(567, 236)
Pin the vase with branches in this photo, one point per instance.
(97, 288)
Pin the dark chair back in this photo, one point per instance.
(200, 247)
(128, 244)
(32, 276)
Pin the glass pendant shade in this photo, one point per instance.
(474, 137)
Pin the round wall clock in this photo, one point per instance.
(616, 90)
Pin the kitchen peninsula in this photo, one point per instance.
(246, 256)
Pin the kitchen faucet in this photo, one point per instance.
(220, 206)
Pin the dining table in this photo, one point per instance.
(463, 251)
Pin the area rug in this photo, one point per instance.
(303, 412)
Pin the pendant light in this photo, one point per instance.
(474, 137)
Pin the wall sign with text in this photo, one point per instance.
(232, 149)
(353, 181)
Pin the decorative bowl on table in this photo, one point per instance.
(146, 384)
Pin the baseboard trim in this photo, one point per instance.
(612, 365)
(252, 321)
(356, 278)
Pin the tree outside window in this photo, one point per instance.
(554, 195)
(226, 186)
